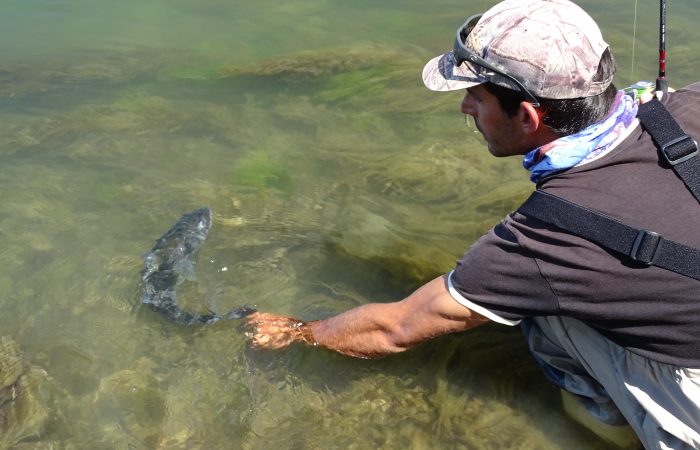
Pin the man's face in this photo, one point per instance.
(502, 133)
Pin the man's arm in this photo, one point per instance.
(372, 330)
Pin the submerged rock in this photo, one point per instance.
(22, 410)
(10, 363)
(130, 407)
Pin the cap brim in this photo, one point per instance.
(443, 74)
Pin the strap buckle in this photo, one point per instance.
(646, 247)
(686, 151)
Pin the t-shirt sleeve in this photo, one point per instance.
(501, 280)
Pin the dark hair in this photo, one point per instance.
(566, 116)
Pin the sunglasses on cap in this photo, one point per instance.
(462, 53)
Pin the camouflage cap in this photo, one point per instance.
(553, 47)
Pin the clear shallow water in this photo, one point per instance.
(335, 178)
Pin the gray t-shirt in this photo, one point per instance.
(524, 267)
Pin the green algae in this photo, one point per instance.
(307, 66)
(261, 172)
(371, 81)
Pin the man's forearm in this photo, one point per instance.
(368, 331)
(372, 330)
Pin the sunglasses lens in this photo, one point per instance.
(468, 27)
(479, 66)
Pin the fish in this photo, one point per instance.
(170, 263)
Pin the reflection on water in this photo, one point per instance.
(335, 180)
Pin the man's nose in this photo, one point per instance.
(468, 106)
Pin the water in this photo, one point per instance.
(335, 178)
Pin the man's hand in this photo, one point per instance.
(272, 331)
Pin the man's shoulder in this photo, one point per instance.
(685, 99)
(691, 87)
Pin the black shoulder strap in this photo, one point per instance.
(676, 148)
(645, 247)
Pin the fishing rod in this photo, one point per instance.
(661, 83)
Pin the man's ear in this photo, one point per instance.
(529, 118)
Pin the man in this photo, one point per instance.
(621, 339)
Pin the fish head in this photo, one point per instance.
(179, 242)
(194, 229)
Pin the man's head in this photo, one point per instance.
(548, 53)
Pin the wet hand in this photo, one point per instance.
(272, 331)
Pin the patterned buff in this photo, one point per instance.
(588, 143)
